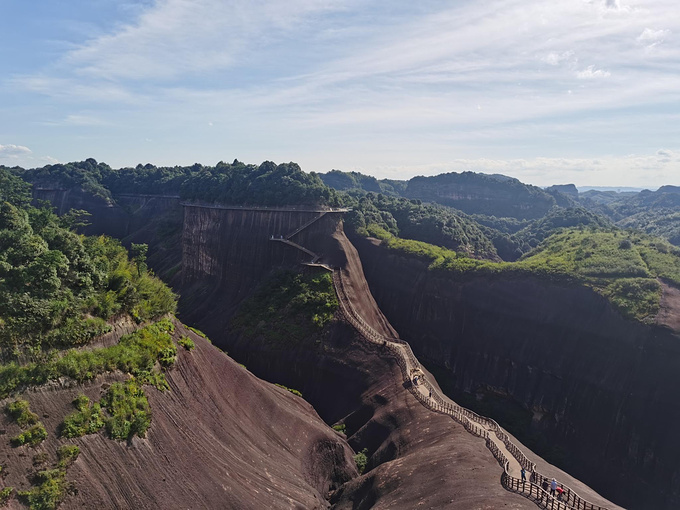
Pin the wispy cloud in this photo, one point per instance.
(13, 151)
(504, 80)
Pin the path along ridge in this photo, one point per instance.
(507, 453)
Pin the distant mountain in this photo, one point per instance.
(470, 192)
(616, 189)
(654, 212)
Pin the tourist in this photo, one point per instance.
(553, 486)
(560, 491)
(524, 474)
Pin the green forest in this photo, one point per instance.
(58, 289)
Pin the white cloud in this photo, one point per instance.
(442, 81)
(175, 37)
(591, 72)
(554, 58)
(651, 38)
(13, 151)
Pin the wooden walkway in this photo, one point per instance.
(509, 455)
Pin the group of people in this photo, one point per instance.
(545, 485)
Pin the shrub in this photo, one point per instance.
(129, 409)
(67, 455)
(6, 495)
(86, 420)
(186, 342)
(33, 436)
(361, 459)
(294, 392)
(340, 427)
(20, 411)
(49, 490)
(168, 356)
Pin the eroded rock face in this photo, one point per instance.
(473, 193)
(219, 438)
(584, 387)
(227, 253)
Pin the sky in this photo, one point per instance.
(550, 92)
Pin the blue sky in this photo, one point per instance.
(582, 91)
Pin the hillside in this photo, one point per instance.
(653, 212)
(218, 438)
(98, 383)
(623, 267)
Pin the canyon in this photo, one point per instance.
(554, 364)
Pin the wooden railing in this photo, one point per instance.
(480, 426)
(305, 225)
(283, 240)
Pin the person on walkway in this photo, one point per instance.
(524, 474)
(560, 492)
(430, 393)
(532, 478)
(544, 485)
(553, 486)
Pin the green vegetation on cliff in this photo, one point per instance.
(621, 266)
(413, 220)
(288, 308)
(57, 288)
(135, 354)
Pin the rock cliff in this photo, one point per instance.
(555, 364)
(416, 457)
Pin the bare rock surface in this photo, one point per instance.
(219, 438)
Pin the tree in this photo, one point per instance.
(138, 252)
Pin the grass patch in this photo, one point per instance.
(199, 333)
(49, 489)
(6, 495)
(294, 392)
(87, 419)
(20, 411)
(136, 354)
(129, 410)
(32, 437)
(186, 342)
(67, 455)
